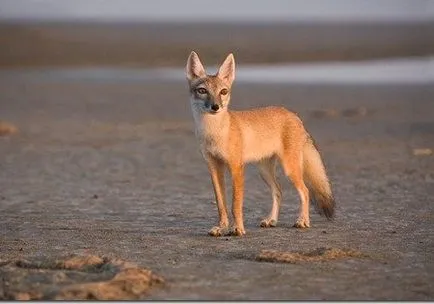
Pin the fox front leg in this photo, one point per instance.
(237, 172)
(216, 169)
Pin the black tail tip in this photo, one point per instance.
(325, 206)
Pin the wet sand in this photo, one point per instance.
(113, 169)
(167, 44)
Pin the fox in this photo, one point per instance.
(263, 136)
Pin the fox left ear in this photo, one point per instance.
(227, 69)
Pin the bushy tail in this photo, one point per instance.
(317, 181)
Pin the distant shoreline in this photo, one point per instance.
(162, 44)
(272, 22)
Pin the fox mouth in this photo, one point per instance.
(213, 112)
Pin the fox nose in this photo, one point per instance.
(215, 107)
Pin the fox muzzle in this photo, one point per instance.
(213, 106)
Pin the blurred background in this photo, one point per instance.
(134, 33)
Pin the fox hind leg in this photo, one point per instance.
(293, 167)
(267, 170)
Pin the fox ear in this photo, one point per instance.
(227, 69)
(194, 68)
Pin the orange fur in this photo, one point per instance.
(263, 135)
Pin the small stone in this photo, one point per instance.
(422, 152)
(7, 128)
(328, 113)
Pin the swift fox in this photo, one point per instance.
(230, 139)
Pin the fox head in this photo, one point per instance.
(210, 94)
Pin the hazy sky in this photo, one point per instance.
(221, 10)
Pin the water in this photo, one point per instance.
(387, 71)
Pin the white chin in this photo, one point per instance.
(213, 112)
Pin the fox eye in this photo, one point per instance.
(201, 91)
(224, 92)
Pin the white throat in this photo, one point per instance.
(208, 124)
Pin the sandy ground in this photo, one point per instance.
(113, 170)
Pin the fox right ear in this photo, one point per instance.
(194, 68)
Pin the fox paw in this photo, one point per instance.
(218, 231)
(236, 231)
(302, 223)
(267, 222)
